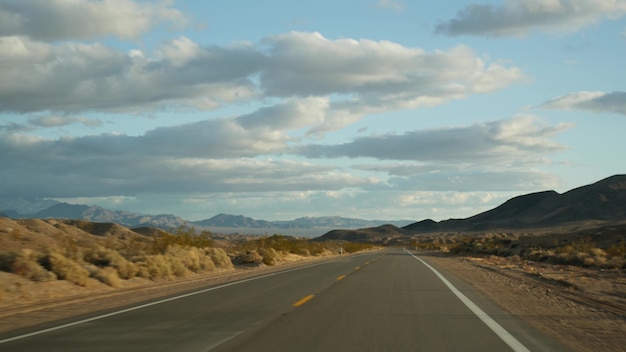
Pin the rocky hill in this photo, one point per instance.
(601, 202)
(604, 200)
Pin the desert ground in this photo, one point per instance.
(582, 306)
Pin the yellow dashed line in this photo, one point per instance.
(303, 301)
(357, 268)
(340, 277)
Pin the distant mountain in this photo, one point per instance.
(220, 222)
(603, 201)
(336, 222)
(23, 205)
(99, 214)
(325, 222)
(234, 221)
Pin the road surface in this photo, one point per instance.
(382, 301)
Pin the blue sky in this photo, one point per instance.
(281, 109)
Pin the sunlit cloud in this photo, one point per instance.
(597, 102)
(521, 17)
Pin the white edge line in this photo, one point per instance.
(489, 321)
(39, 332)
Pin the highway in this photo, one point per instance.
(382, 301)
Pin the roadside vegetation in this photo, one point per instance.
(79, 257)
(278, 248)
(164, 256)
(582, 251)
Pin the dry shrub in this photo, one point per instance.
(6, 261)
(25, 264)
(154, 267)
(177, 267)
(219, 258)
(588, 261)
(597, 252)
(601, 262)
(192, 258)
(65, 269)
(270, 257)
(109, 276)
(617, 250)
(189, 257)
(103, 257)
(250, 257)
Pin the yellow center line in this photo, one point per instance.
(303, 301)
(357, 268)
(340, 277)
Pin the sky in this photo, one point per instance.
(277, 109)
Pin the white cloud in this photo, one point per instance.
(72, 77)
(291, 114)
(51, 20)
(344, 79)
(375, 76)
(521, 17)
(597, 102)
(386, 72)
(518, 139)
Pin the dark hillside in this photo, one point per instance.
(373, 234)
(604, 200)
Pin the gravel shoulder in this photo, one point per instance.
(583, 308)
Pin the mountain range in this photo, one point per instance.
(601, 202)
(223, 222)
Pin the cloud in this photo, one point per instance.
(505, 141)
(477, 180)
(98, 166)
(338, 81)
(292, 114)
(390, 4)
(72, 77)
(374, 76)
(521, 17)
(13, 127)
(597, 102)
(53, 20)
(55, 121)
(310, 64)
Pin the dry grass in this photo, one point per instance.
(26, 264)
(108, 276)
(65, 268)
(81, 252)
(583, 251)
(275, 249)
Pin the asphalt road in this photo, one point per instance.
(384, 301)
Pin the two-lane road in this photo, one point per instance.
(385, 301)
